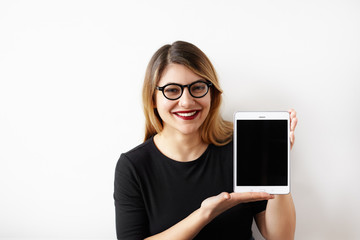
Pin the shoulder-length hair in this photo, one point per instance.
(215, 129)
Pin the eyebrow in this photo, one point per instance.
(201, 79)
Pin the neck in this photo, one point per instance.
(180, 147)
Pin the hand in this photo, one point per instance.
(214, 206)
(293, 122)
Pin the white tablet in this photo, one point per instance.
(262, 152)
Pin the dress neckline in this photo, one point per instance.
(195, 161)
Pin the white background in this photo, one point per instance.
(70, 101)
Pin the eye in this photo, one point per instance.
(172, 89)
(198, 87)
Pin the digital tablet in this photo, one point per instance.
(262, 152)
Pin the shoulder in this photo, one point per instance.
(225, 149)
(137, 155)
(141, 149)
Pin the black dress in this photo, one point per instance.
(153, 192)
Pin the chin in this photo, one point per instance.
(189, 131)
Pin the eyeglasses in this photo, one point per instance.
(174, 91)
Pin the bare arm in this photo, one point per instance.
(211, 207)
(279, 219)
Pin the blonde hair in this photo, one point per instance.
(215, 129)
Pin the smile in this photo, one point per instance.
(188, 115)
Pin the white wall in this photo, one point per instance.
(71, 75)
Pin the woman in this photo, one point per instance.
(176, 184)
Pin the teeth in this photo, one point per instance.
(186, 114)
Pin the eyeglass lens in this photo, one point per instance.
(198, 89)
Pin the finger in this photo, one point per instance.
(251, 196)
(293, 124)
(258, 196)
(292, 112)
(292, 139)
(293, 119)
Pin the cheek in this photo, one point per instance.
(206, 101)
(163, 105)
(158, 101)
(206, 106)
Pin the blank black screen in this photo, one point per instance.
(262, 153)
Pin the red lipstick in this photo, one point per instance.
(187, 115)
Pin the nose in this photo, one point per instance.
(186, 100)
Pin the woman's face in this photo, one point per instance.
(186, 114)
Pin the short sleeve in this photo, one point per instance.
(131, 217)
(258, 207)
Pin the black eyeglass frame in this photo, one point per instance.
(209, 84)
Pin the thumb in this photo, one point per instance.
(216, 200)
(224, 195)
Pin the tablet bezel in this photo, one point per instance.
(258, 116)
